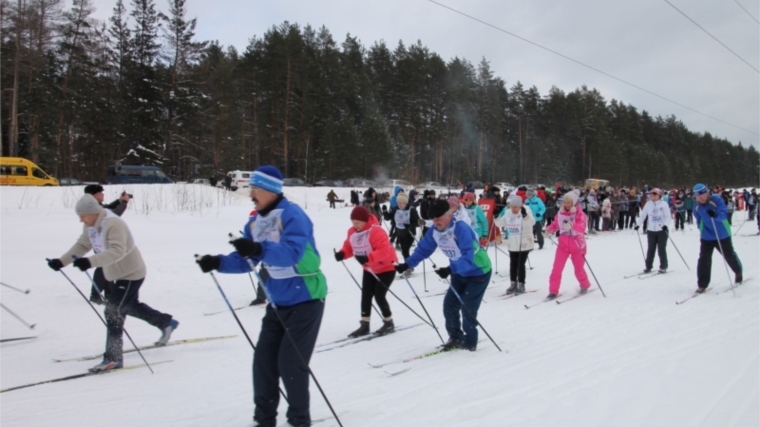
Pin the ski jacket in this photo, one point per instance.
(114, 248)
(519, 229)
(680, 208)
(372, 241)
(592, 204)
(117, 206)
(705, 222)
(331, 196)
(537, 207)
(289, 254)
(606, 209)
(542, 195)
(396, 190)
(623, 202)
(478, 220)
(461, 215)
(572, 227)
(658, 213)
(460, 245)
(688, 203)
(403, 219)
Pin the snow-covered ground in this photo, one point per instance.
(632, 359)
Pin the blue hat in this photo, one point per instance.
(267, 178)
(700, 189)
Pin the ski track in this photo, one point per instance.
(628, 360)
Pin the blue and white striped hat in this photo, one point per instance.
(267, 178)
(700, 189)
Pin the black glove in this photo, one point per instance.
(55, 264)
(339, 256)
(385, 208)
(711, 213)
(400, 268)
(636, 228)
(443, 272)
(557, 234)
(363, 259)
(665, 228)
(208, 263)
(246, 247)
(522, 211)
(82, 264)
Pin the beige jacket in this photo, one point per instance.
(121, 259)
(513, 241)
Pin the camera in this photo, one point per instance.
(125, 193)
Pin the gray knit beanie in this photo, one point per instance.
(515, 200)
(87, 205)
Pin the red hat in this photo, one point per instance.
(360, 213)
(469, 196)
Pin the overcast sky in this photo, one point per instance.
(644, 42)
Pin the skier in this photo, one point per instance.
(369, 244)
(688, 204)
(538, 209)
(469, 268)
(280, 236)
(427, 200)
(477, 217)
(657, 213)
(519, 224)
(109, 238)
(570, 224)
(458, 211)
(405, 220)
(715, 233)
(393, 204)
(680, 213)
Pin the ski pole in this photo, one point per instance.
(16, 316)
(357, 284)
(477, 322)
(717, 237)
(641, 245)
(293, 341)
(103, 320)
(679, 252)
(387, 288)
(15, 289)
(256, 291)
(737, 230)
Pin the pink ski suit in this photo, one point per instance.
(572, 243)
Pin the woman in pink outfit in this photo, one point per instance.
(570, 222)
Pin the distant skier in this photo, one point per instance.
(405, 220)
(368, 242)
(570, 223)
(519, 224)
(657, 214)
(711, 215)
(109, 238)
(469, 268)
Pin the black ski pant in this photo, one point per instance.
(679, 220)
(371, 288)
(621, 219)
(517, 266)
(631, 219)
(405, 239)
(123, 301)
(689, 217)
(332, 204)
(657, 240)
(393, 233)
(537, 232)
(102, 283)
(704, 265)
(276, 358)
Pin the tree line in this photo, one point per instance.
(79, 95)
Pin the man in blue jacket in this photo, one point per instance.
(539, 209)
(280, 236)
(469, 268)
(711, 216)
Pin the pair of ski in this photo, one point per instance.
(444, 292)
(349, 341)
(436, 352)
(560, 301)
(236, 309)
(708, 290)
(149, 347)
(508, 296)
(646, 275)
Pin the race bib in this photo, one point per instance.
(95, 234)
(514, 224)
(658, 216)
(447, 243)
(360, 242)
(402, 218)
(267, 229)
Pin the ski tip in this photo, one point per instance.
(526, 306)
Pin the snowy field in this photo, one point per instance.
(632, 359)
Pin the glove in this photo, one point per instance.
(385, 208)
(522, 211)
(711, 213)
(363, 259)
(557, 234)
(209, 263)
(246, 247)
(443, 272)
(82, 264)
(400, 268)
(55, 264)
(665, 228)
(636, 228)
(421, 222)
(339, 256)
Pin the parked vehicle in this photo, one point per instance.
(478, 185)
(200, 181)
(359, 182)
(69, 181)
(329, 183)
(20, 171)
(595, 184)
(505, 186)
(128, 174)
(390, 184)
(240, 179)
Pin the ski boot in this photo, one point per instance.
(106, 365)
(387, 328)
(363, 330)
(512, 288)
(520, 288)
(166, 333)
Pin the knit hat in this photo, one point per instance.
(700, 189)
(267, 178)
(572, 195)
(87, 205)
(93, 189)
(453, 202)
(438, 208)
(360, 213)
(515, 200)
(402, 198)
(469, 196)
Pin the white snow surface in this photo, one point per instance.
(632, 359)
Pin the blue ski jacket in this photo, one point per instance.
(705, 222)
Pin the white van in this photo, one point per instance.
(240, 179)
